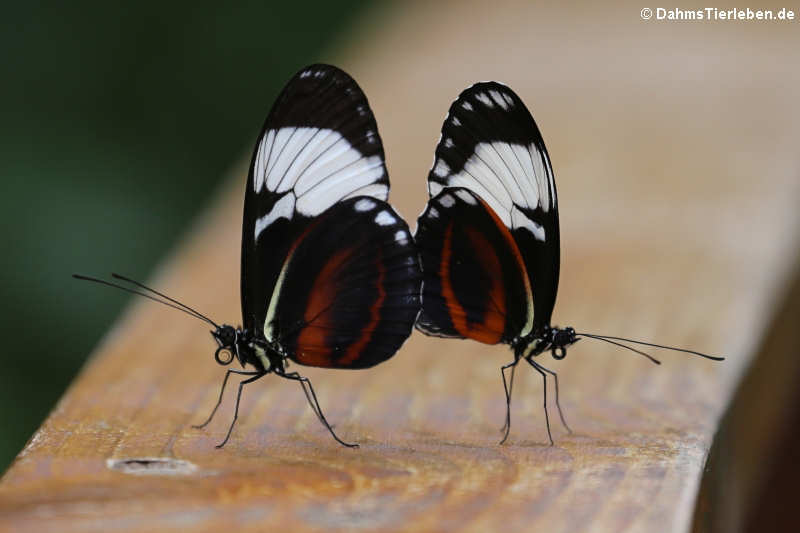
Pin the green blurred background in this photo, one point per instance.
(117, 123)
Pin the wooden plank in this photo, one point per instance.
(674, 148)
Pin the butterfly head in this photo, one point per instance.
(228, 340)
(554, 339)
(560, 338)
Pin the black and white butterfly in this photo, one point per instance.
(489, 236)
(330, 275)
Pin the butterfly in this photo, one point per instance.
(489, 237)
(330, 276)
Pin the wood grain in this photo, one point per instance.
(674, 147)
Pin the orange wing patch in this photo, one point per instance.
(355, 349)
(312, 348)
(490, 331)
(512, 245)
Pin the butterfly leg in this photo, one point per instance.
(221, 392)
(298, 377)
(312, 400)
(538, 368)
(238, 398)
(508, 387)
(558, 405)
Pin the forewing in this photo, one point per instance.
(319, 145)
(491, 145)
(349, 291)
(474, 280)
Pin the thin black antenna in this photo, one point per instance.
(650, 357)
(607, 337)
(185, 309)
(145, 287)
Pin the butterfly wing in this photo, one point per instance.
(475, 285)
(319, 145)
(349, 289)
(491, 146)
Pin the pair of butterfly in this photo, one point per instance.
(331, 275)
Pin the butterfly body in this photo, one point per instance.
(554, 340)
(248, 349)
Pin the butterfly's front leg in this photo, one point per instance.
(221, 392)
(258, 375)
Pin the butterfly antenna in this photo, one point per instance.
(607, 337)
(648, 356)
(145, 287)
(180, 307)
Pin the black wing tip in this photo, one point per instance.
(488, 94)
(486, 111)
(322, 70)
(488, 85)
(325, 96)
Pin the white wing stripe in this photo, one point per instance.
(299, 157)
(320, 149)
(279, 141)
(531, 194)
(332, 162)
(260, 167)
(508, 178)
(503, 173)
(317, 167)
(490, 177)
(290, 147)
(342, 183)
(511, 161)
(469, 182)
(376, 190)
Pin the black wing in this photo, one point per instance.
(319, 145)
(349, 289)
(491, 145)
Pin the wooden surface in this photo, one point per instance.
(675, 153)
(751, 474)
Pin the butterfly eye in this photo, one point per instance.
(559, 352)
(223, 355)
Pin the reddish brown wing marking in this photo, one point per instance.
(312, 346)
(490, 330)
(355, 350)
(351, 289)
(476, 284)
(512, 244)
